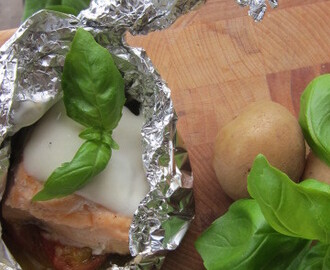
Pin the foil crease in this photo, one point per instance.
(257, 7)
(139, 17)
(31, 63)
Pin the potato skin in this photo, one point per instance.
(316, 169)
(263, 127)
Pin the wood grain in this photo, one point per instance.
(216, 60)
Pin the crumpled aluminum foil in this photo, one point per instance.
(30, 70)
(257, 7)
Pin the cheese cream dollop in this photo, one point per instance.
(120, 187)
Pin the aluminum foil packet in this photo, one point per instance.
(257, 7)
(31, 64)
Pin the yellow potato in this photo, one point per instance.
(263, 127)
(316, 169)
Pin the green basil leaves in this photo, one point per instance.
(282, 215)
(275, 229)
(298, 210)
(90, 83)
(314, 117)
(242, 239)
(94, 96)
(91, 158)
(65, 6)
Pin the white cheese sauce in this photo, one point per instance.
(120, 187)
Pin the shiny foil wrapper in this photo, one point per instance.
(257, 7)
(31, 64)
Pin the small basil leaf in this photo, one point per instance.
(78, 5)
(242, 239)
(299, 210)
(91, 158)
(63, 9)
(65, 6)
(316, 185)
(32, 6)
(315, 258)
(314, 116)
(92, 85)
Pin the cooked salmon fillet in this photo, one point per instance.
(72, 220)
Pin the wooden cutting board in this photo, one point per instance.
(216, 60)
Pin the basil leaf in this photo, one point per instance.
(299, 210)
(315, 258)
(63, 9)
(93, 87)
(297, 260)
(316, 185)
(51, 2)
(32, 6)
(91, 158)
(293, 258)
(242, 239)
(94, 96)
(314, 116)
(78, 5)
(318, 258)
(65, 6)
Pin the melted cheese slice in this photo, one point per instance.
(120, 187)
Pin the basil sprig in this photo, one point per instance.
(242, 239)
(275, 229)
(66, 6)
(314, 116)
(298, 210)
(94, 96)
